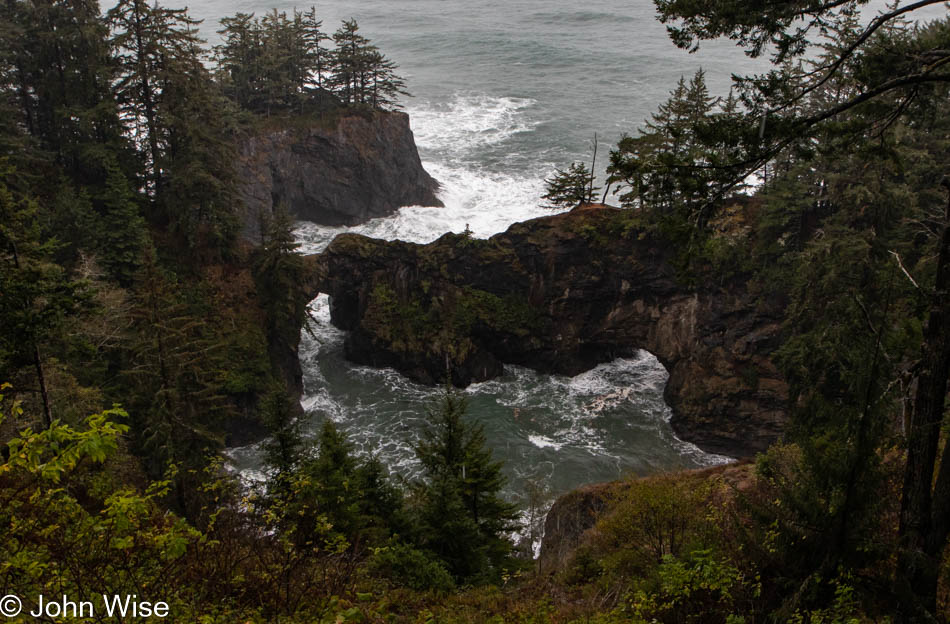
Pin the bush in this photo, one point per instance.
(650, 519)
(407, 566)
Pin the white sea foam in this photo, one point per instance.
(483, 199)
(556, 430)
(541, 441)
(468, 122)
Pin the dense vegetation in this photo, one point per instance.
(846, 144)
(138, 331)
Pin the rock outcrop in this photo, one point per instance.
(562, 294)
(343, 169)
(570, 518)
(571, 522)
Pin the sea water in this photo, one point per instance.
(504, 91)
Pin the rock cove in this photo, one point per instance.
(562, 294)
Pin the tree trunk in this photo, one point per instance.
(44, 393)
(923, 526)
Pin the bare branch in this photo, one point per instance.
(901, 265)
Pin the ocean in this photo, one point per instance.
(503, 92)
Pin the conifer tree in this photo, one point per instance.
(169, 101)
(173, 365)
(662, 167)
(57, 76)
(275, 62)
(283, 450)
(38, 295)
(350, 63)
(278, 272)
(465, 519)
(566, 189)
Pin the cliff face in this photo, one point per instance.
(343, 170)
(562, 294)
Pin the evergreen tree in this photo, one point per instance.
(567, 189)
(38, 295)
(238, 59)
(664, 167)
(350, 63)
(80, 164)
(465, 520)
(385, 86)
(169, 101)
(361, 73)
(283, 450)
(174, 369)
(330, 492)
(275, 62)
(278, 273)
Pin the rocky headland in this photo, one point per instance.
(561, 294)
(343, 167)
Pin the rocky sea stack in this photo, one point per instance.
(342, 168)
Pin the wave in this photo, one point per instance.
(556, 430)
(466, 123)
(484, 200)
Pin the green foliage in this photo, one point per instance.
(166, 95)
(464, 521)
(277, 63)
(673, 167)
(409, 567)
(273, 62)
(361, 75)
(330, 493)
(283, 450)
(651, 519)
(567, 189)
(697, 588)
(55, 536)
(172, 366)
(39, 297)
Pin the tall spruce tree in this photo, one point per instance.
(57, 77)
(662, 168)
(38, 294)
(172, 106)
(362, 75)
(465, 520)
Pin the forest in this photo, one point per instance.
(138, 332)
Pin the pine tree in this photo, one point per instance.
(173, 366)
(169, 101)
(385, 86)
(58, 74)
(238, 59)
(283, 450)
(567, 189)
(465, 519)
(350, 63)
(278, 273)
(663, 167)
(273, 63)
(37, 294)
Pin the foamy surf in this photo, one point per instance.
(553, 432)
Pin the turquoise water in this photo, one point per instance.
(503, 92)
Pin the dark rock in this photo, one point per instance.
(562, 294)
(568, 521)
(343, 169)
